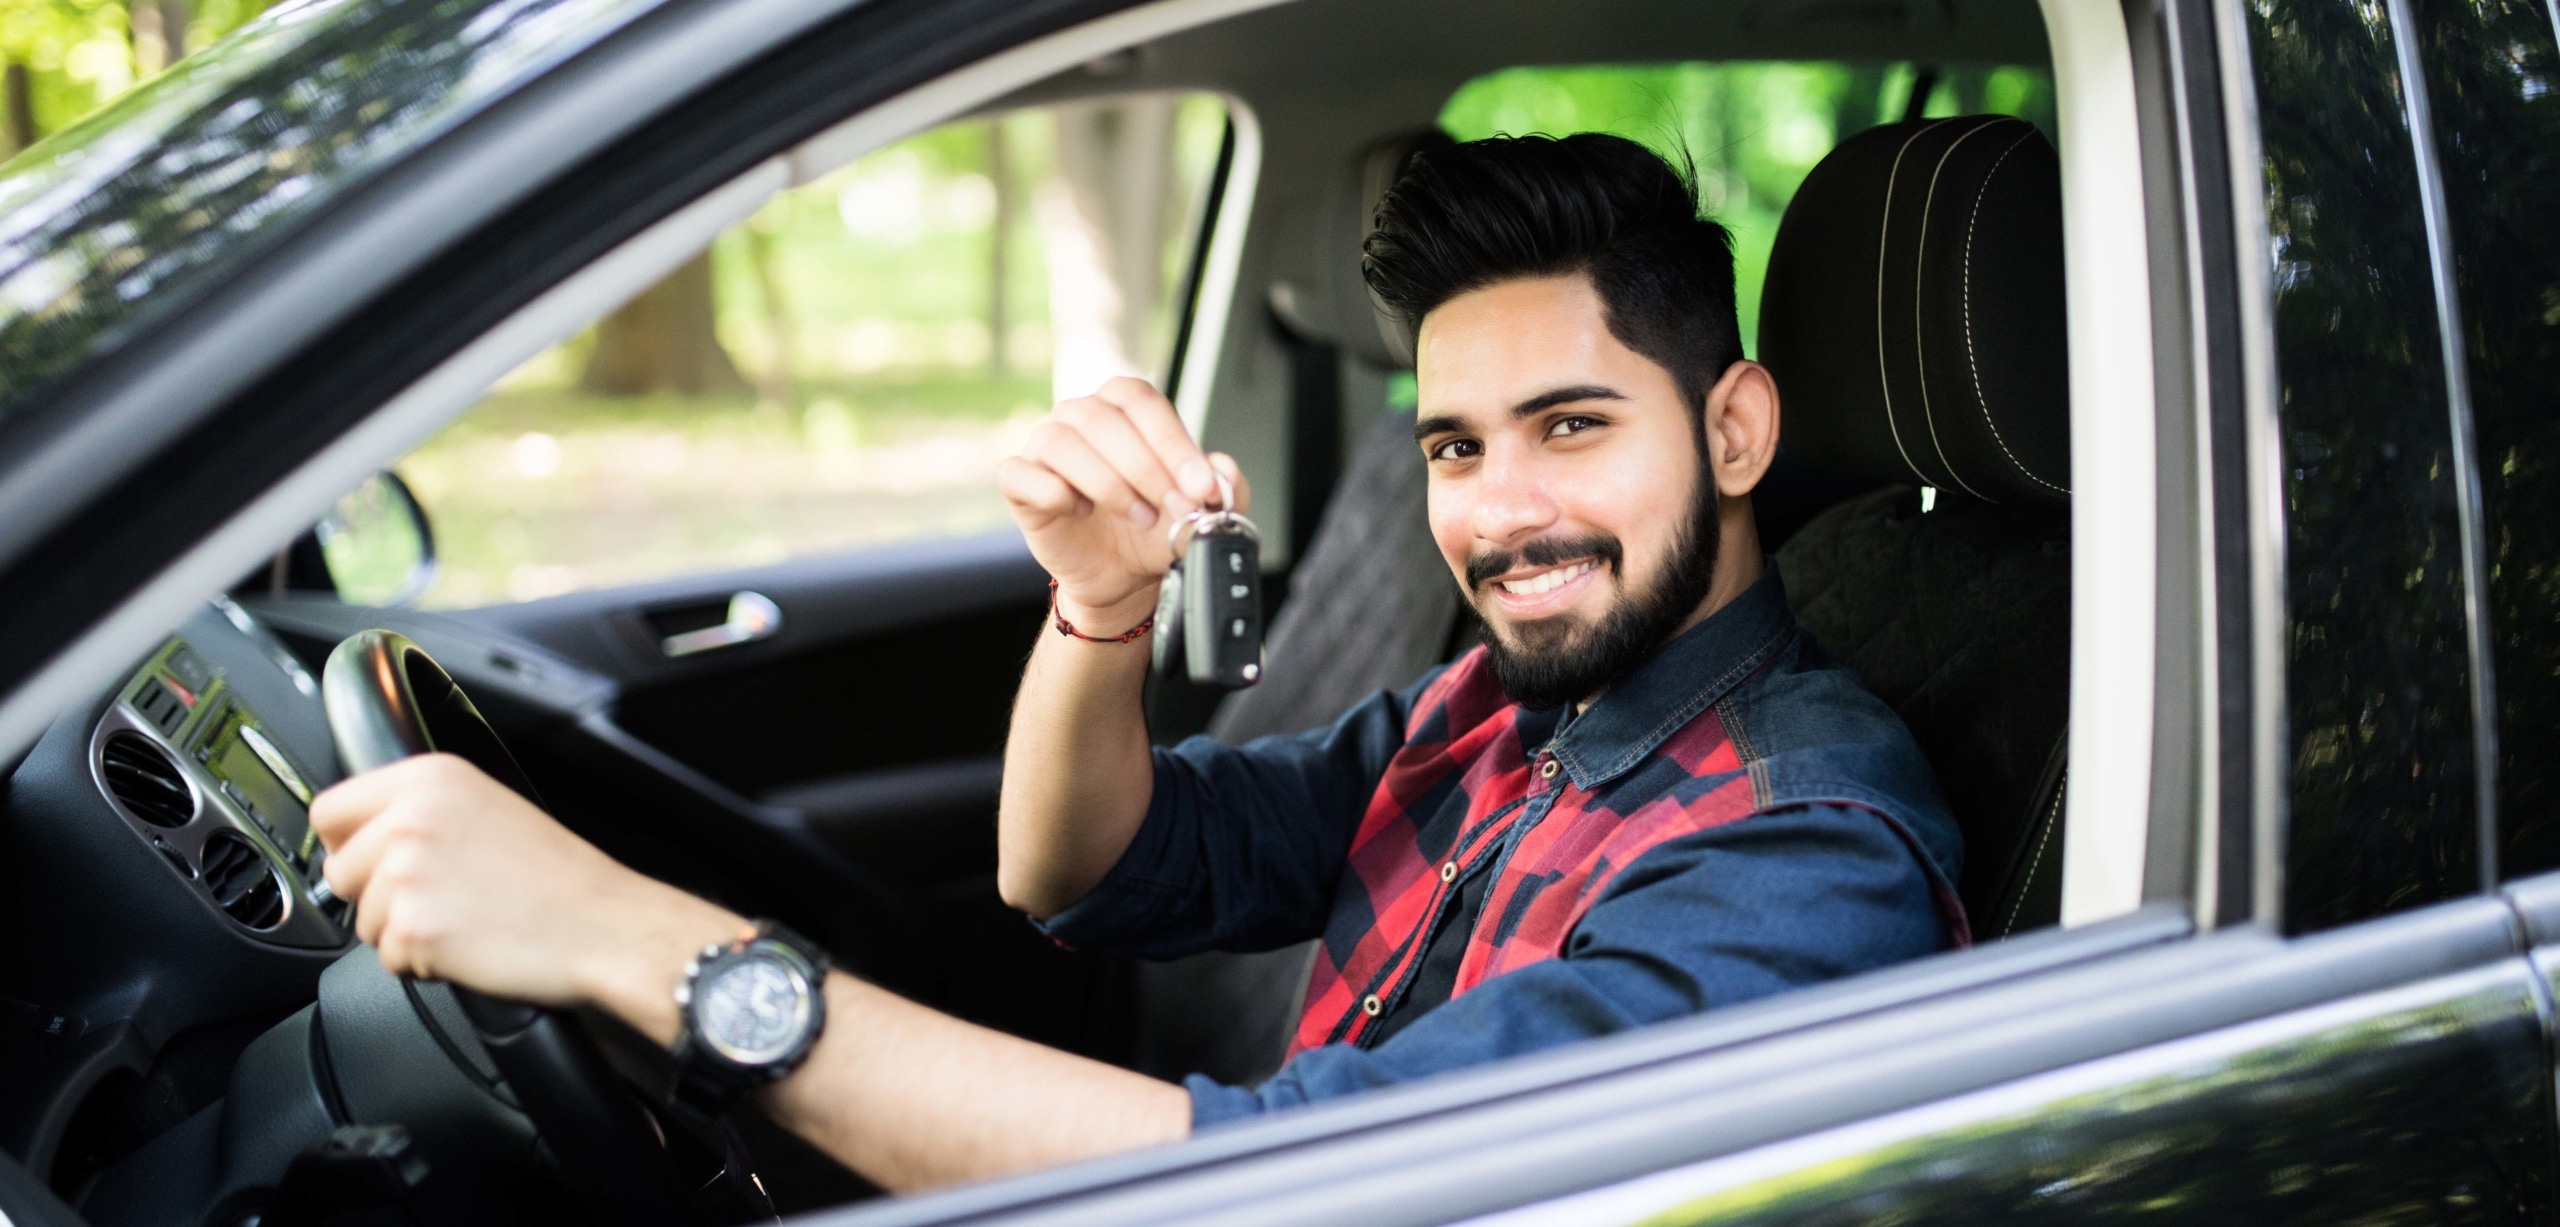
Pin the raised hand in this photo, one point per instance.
(1094, 490)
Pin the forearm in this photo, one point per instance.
(1077, 776)
(912, 1098)
(908, 1097)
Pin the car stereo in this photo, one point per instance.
(195, 772)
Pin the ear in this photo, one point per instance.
(1742, 427)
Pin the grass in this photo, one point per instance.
(541, 491)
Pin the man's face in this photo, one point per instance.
(1567, 487)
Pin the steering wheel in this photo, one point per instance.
(387, 700)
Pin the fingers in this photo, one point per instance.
(1153, 419)
(362, 817)
(345, 807)
(1040, 497)
(1122, 450)
(1065, 451)
(1109, 431)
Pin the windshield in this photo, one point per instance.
(146, 205)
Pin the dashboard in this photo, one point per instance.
(196, 772)
(183, 1008)
(160, 884)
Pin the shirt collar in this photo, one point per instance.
(1689, 674)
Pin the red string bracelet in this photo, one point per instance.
(1068, 629)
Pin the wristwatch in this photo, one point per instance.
(751, 1010)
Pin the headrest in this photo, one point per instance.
(1338, 307)
(1913, 311)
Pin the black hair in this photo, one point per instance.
(1463, 217)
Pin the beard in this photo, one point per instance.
(1549, 662)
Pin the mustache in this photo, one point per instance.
(1544, 552)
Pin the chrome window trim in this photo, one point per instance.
(2264, 464)
(2464, 444)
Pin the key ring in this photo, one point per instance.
(1225, 516)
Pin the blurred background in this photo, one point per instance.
(846, 367)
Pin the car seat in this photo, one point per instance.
(1913, 317)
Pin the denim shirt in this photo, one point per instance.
(1835, 855)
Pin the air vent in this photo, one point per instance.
(241, 881)
(146, 779)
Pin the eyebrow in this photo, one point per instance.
(1564, 396)
(1549, 399)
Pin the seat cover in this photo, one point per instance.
(1913, 317)
(1913, 310)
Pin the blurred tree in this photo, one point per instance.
(18, 88)
(1105, 220)
(664, 341)
(159, 33)
(61, 59)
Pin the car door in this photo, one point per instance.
(2339, 1009)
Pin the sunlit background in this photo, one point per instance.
(846, 367)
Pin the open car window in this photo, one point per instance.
(842, 369)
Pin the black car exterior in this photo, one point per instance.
(2337, 1004)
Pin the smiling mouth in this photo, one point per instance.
(1550, 580)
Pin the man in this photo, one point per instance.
(1645, 796)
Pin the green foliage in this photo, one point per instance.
(79, 54)
(1751, 130)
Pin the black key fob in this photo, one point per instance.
(1209, 610)
(1221, 601)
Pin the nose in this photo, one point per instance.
(1512, 504)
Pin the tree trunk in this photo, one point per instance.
(663, 341)
(173, 28)
(142, 27)
(779, 381)
(1106, 230)
(20, 93)
(158, 31)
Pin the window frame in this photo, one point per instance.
(2136, 963)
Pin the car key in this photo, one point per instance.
(1222, 605)
(1209, 611)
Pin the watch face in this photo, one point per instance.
(754, 1010)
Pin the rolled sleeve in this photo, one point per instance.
(1777, 901)
(1242, 846)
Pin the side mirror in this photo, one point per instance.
(377, 544)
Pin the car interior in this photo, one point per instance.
(819, 739)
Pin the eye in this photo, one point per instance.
(1456, 449)
(1571, 424)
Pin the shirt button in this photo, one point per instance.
(1449, 872)
(1547, 770)
(1370, 1005)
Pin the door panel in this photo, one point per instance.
(886, 659)
(2424, 1104)
(2399, 1064)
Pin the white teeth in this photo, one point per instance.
(1547, 580)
